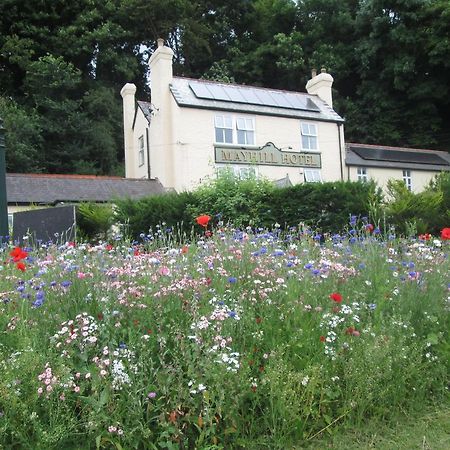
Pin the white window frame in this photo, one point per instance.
(309, 136)
(141, 151)
(245, 131)
(234, 130)
(362, 174)
(407, 179)
(223, 124)
(312, 175)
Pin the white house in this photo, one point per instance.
(416, 167)
(192, 129)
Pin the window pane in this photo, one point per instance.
(219, 135)
(228, 136)
(250, 138)
(240, 124)
(228, 123)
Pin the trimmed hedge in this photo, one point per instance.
(251, 202)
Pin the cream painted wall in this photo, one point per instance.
(420, 178)
(189, 147)
(140, 127)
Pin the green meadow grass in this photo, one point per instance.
(242, 340)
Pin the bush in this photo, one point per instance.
(140, 216)
(232, 200)
(95, 220)
(323, 205)
(426, 211)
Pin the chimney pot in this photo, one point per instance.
(313, 73)
(160, 42)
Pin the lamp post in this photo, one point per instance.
(3, 202)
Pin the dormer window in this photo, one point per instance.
(309, 136)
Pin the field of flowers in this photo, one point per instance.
(238, 339)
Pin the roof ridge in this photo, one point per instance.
(285, 91)
(389, 147)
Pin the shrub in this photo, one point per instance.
(412, 213)
(95, 220)
(139, 216)
(323, 205)
(240, 202)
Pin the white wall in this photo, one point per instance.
(420, 178)
(184, 157)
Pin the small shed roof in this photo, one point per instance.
(365, 155)
(51, 189)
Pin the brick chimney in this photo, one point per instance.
(320, 85)
(129, 104)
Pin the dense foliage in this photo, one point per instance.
(62, 64)
(249, 203)
(242, 340)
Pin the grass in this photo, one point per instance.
(242, 340)
(423, 430)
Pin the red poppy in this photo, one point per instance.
(369, 227)
(203, 220)
(184, 249)
(445, 234)
(208, 233)
(21, 266)
(322, 339)
(425, 237)
(336, 297)
(18, 254)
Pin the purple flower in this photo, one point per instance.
(151, 395)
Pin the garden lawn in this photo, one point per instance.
(243, 339)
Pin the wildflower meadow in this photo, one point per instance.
(234, 338)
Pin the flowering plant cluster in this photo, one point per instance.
(246, 337)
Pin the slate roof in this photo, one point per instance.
(185, 97)
(146, 108)
(52, 189)
(365, 155)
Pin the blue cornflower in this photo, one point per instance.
(66, 283)
(232, 279)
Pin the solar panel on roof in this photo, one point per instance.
(252, 96)
(200, 90)
(296, 101)
(218, 92)
(281, 100)
(400, 156)
(235, 94)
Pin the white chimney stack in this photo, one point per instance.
(129, 104)
(320, 85)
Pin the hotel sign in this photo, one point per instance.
(268, 155)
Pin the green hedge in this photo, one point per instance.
(258, 203)
(251, 202)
